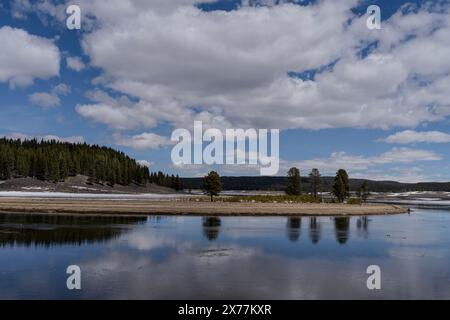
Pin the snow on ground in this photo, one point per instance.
(66, 195)
(412, 193)
(84, 188)
(434, 202)
(34, 188)
(245, 192)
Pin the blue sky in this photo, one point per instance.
(375, 102)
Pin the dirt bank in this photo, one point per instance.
(185, 207)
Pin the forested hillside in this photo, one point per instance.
(55, 161)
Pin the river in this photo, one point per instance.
(158, 257)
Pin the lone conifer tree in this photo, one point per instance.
(341, 188)
(314, 180)
(294, 183)
(212, 184)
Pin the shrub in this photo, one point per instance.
(354, 201)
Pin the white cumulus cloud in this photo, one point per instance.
(45, 100)
(338, 160)
(25, 57)
(49, 100)
(143, 141)
(178, 61)
(234, 64)
(48, 137)
(75, 63)
(145, 163)
(410, 136)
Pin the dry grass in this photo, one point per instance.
(190, 207)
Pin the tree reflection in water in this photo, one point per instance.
(49, 230)
(314, 230)
(211, 227)
(342, 226)
(293, 228)
(362, 224)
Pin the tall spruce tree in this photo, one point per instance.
(314, 180)
(294, 182)
(341, 187)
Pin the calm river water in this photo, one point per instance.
(225, 258)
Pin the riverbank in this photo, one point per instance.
(190, 207)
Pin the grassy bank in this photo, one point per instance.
(276, 199)
(186, 207)
(272, 199)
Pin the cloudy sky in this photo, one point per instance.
(375, 102)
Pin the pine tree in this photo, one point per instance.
(341, 188)
(63, 169)
(294, 183)
(314, 180)
(212, 184)
(53, 173)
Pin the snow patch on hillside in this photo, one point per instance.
(34, 188)
(66, 195)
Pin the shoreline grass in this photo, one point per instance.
(195, 208)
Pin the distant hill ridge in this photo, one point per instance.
(280, 183)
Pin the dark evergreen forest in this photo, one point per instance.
(55, 161)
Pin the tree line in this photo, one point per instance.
(340, 188)
(56, 161)
(212, 185)
(279, 183)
